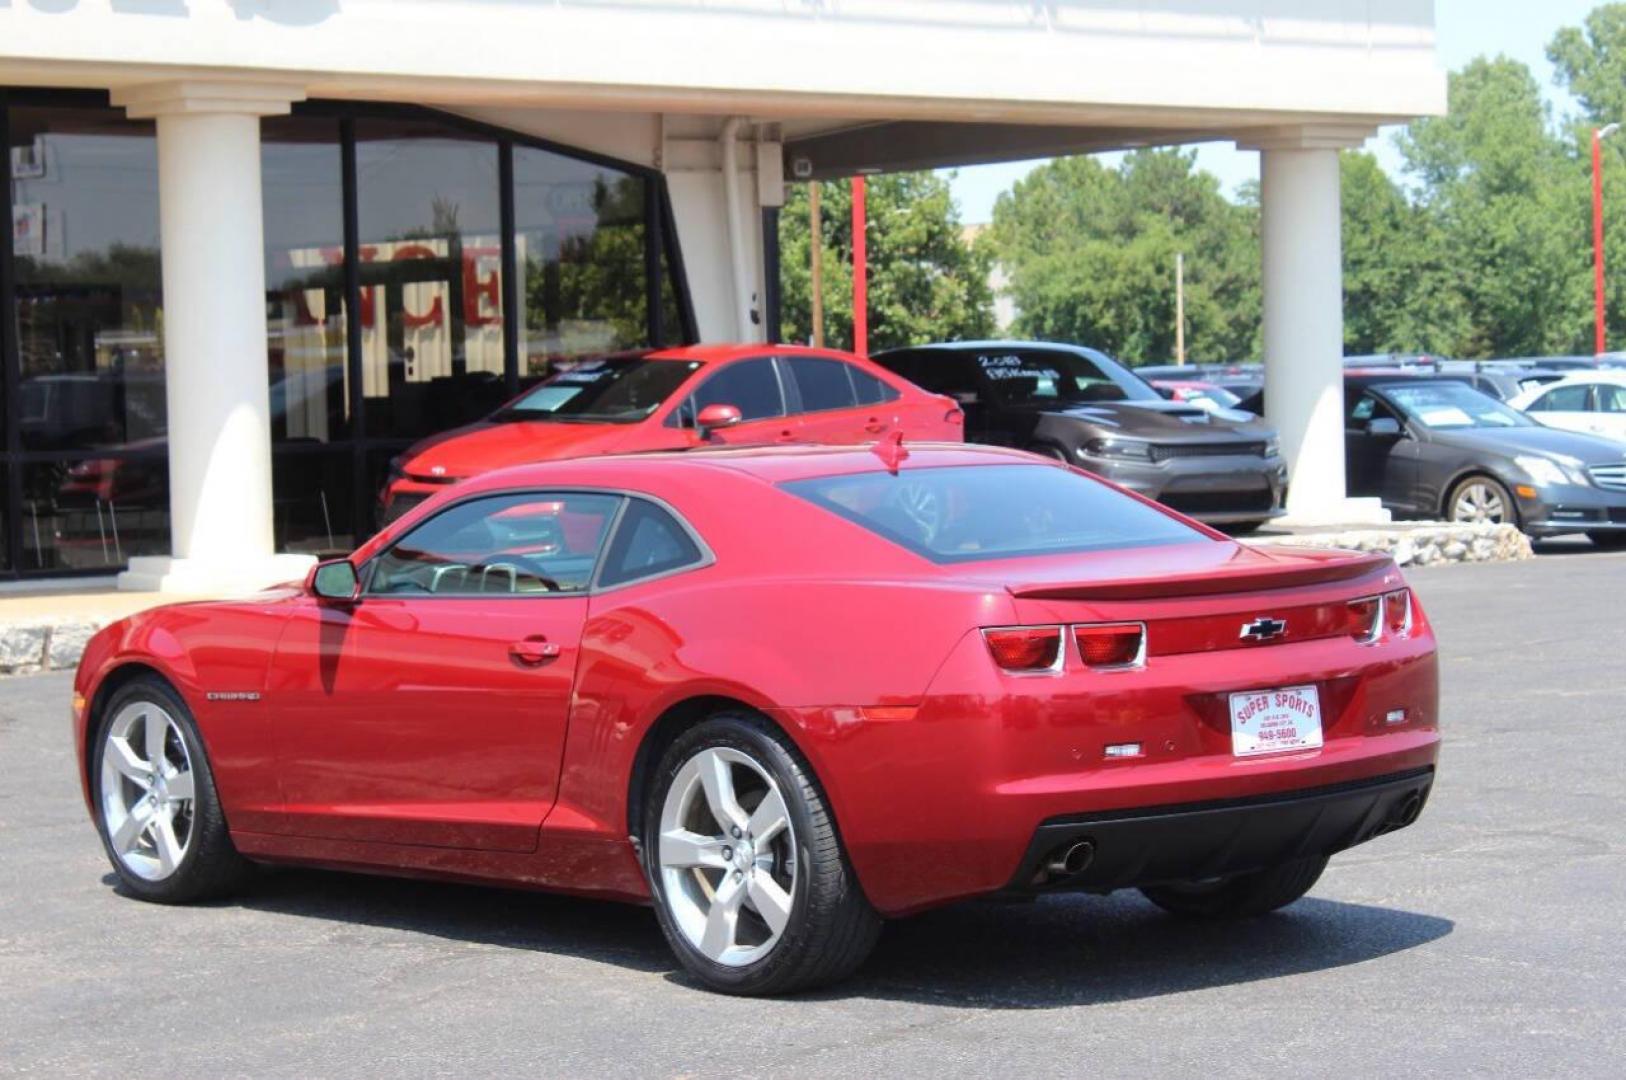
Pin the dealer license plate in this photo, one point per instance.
(1272, 721)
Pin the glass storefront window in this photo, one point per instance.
(313, 502)
(431, 276)
(579, 247)
(302, 184)
(89, 303)
(93, 513)
(83, 442)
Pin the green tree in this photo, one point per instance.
(1399, 293)
(926, 283)
(1090, 255)
(1505, 202)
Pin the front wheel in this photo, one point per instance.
(1243, 896)
(751, 886)
(157, 809)
(1479, 500)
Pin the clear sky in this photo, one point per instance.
(1465, 29)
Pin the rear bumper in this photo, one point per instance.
(1215, 839)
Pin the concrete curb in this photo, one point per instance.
(43, 645)
(1420, 543)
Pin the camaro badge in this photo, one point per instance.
(233, 695)
(1263, 628)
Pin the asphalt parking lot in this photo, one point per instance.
(1485, 940)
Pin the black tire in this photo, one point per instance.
(211, 866)
(1241, 897)
(832, 927)
(1511, 512)
(1242, 528)
(1610, 540)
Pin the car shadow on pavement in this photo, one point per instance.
(1083, 950)
(1056, 952)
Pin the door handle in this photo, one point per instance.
(787, 435)
(534, 651)
(875, 425)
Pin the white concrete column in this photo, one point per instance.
(213, 249)
(1301, 238)
(693, 163)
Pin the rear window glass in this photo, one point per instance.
(976, 512)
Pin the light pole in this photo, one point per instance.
(1598, 136)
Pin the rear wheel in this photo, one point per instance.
(156, 806)
(751, 885)
(1608, 539)
(1243, 896)
(1479, 500)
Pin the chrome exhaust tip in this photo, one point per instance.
(1074, 858)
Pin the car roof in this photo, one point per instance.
(771, 464)
(1602, 375)
(982, 346)
(717, 353)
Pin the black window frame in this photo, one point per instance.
(663, 273)
(364, 573)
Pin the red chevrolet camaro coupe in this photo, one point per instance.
(674, 399)
(780, 693)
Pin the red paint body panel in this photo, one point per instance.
(398, 735)
(476, 448)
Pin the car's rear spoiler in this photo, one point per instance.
(1250, 577)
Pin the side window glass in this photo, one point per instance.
(823, 384)
(869, 389)
(648, 541)
(1611, 399)
(1562, 399)
(749, 385)
(944, 375)
(526, 542)
(1363, 410)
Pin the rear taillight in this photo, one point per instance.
(1108, 645)
(1366, 619)
(1397, 612)
(1025, 648)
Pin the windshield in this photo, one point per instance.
(612, 390)
(975, 512)
(1446, 406)
(1041, 376)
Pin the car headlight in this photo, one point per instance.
(1273, 446)
(1545, 471)
(1118, 448)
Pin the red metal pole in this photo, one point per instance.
(860, 272)
(1597, 242)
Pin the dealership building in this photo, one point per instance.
(257, 247)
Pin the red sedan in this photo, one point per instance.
(675, 399)
(780, 693)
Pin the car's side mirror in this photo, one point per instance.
(714, 417)
(334, 580)
(1384, 427)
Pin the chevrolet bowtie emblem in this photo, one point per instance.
(1263, 628)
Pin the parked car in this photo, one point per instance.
(1401, 361)
(1434, 448)
(674, 399)
(1204, 395)
(666, 678)
(1504, 382)
(1592, 402)
(1079, 406)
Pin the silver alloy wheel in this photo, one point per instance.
(1480, 503)
(727, 856)
(147, 790)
